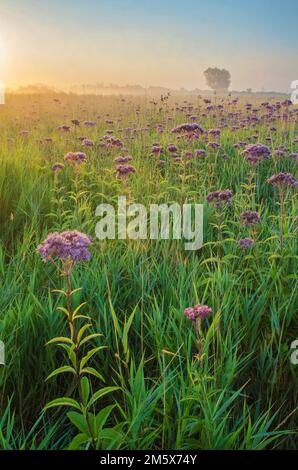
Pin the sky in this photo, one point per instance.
(149, 42)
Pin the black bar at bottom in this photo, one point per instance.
(137, 459)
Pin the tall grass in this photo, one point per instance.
(244, 396)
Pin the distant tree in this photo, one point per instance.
(218, 79)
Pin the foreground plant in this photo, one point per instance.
(254, 154)
(64, 250)
(283, 182)
(219, 199)
(197, 314)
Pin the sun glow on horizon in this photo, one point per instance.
(3, 54)
(170, 46)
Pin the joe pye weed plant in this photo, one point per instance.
(64, 250)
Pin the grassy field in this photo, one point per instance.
(242, 392)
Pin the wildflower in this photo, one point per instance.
(57, 167)
(254, 153)
(172, 148)
(201, 153)
(156, 149)
(250, 218)
(282, 180)
(76, 157)
(121, 159)
(219, 198)
(214, 132)
(188, 128)
(63, 128)
(198, 311)
(287, 103)
(72, 245)
(213, 145)
(88, 143)
(279, 152)
(90, 123)
(245, 243)
(113, 141)
(188, 154)
(123, 170)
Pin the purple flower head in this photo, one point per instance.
(287, 103)
(250, 218)
(124, 170)
(71, 245)
(283, 180)
(214, 132)
(220, 198)
(88, 143)
(198, 311)
(63, 128)
(121, 159)
(80, 157)
(254, 153)
(156, 149)
(201, 153)
(193, 128)
(245, 243)
(90, 123)
(57, 167)
(188, 154)
(75, 157)
(213, 145)
(172, 148)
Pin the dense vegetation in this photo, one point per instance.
(242, 392)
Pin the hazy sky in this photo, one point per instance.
(149, 42)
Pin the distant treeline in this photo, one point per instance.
(113, 89)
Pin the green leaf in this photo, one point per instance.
(125, 333)
(74, 314)
(59, 291)
(100, 393)
(82, 331)
(61, 370)
(83, 316)
(85, 390)
(109, 434)
(115, 319)
(62, 309)
(77, 441)
(75, 290)
(60, 339)
(89, 355)
(79, 421)
(87, 338)
(64, 401)
(72, 357)
(92, 371)
(103, 415)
